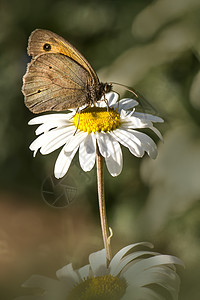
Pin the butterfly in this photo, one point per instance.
(59, 77)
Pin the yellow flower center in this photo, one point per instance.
(105, 287)
(94, 119)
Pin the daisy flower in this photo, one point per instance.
(129, 276)
(97, 126)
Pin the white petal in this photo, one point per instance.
(148, 117)
(52, 124)
(57, 139)
(118, 256)
(104, 141)
(37, 144)
(137, 142)
(157, 132)
(130, 259)
(114, 162)
(81, 108)
(133, 122)
(84, 272)
(147, 144)
(142, 265)
(130, 141)
(112, 98)
(108, 99)
(163, 276)
(143, 293)
(48, 138)
(48, 118)
(75, 141)
(63, 162)
(101, 103)
(103, 148)
(125, 104)
(98, 263)
(111, 151)
(87, 152)
(51, 289)
(68, 275)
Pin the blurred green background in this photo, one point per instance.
(153, 46)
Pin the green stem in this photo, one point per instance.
(102, 206)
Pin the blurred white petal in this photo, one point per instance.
(130, 273)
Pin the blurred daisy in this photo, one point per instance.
(132, 276)
(96, 126)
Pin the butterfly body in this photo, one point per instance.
(58, 76)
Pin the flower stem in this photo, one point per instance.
(102, 206)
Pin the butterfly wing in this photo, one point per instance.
(58, 76)
(55, 82)
(44, 41)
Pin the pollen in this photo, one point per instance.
(96, 119)
(105, 287)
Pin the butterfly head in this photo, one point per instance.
(107, 87)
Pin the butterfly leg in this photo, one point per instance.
(108, 108)
(79, 113)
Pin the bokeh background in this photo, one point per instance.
(153, 46)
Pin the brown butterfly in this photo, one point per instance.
(58, 76)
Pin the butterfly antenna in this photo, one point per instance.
(144, 103)
(126, 88)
